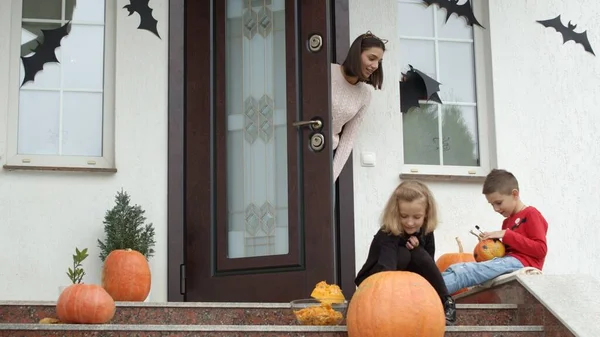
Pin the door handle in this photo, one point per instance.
(313, 124)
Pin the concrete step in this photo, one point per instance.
(112, 330)
(214, 313)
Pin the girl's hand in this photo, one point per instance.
(412, 243)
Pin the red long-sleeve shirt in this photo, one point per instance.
(525, 237)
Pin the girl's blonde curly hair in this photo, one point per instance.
(409, 190)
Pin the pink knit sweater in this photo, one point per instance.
(349, 104)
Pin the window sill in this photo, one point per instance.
(442, 177)
(58, 168)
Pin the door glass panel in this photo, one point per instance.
(257, 194)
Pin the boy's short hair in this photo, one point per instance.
(500, 181)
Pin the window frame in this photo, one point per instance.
(105, 162)
(483, 95)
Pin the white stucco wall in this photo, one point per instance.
(45, 215)
(546, 123)
(545, 119)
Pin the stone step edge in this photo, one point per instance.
(234, 305)
(239, 328)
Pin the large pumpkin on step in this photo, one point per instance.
(85, 304)
(126, 275)
(449, 259)
(488, 249)
(394, 303)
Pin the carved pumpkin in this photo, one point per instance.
(126, 275)
(328, 293)
(395, 302)
(449, 259)
(85, 304)
(488, 249)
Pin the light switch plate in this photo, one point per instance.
(367, 159)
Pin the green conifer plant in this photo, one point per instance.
(124, 226)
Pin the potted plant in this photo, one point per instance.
(126, 250)
(76, 273)
(79, 302)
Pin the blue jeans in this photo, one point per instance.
(468, 274)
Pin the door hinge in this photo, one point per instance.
(182, 279)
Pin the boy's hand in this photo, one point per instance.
(493, 235)
(412, 243)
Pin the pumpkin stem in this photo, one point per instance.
(460, 246)
(478, 237)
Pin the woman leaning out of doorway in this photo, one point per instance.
(351, 95)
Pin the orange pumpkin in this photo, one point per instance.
(126, 275)
(488, 249)
(449, 259)
(85, 304)
(394, 302)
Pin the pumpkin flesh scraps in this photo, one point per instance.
(322, 314)
(328, 293)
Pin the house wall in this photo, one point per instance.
(546, 124)
(545, 134)
(44, 215)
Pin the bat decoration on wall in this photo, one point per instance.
(44, 52)
(30, 42)
(415, 86)
(147, 21)
(568, 33)
(452, 7)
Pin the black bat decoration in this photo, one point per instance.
(44, 52)
(568, 33)
(452, 7)
(147, 21)
(415, 86)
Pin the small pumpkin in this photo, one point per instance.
(390, 303)
(488, 249)
(328, 293)
(126, 275)
(449, 259)
(85, 304)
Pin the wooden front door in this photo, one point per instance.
(258, 198)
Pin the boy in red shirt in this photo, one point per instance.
(523, 234)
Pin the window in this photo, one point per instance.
(63, 115)
(449, 138)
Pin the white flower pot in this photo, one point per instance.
(61, 289)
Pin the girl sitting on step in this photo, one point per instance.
(405, 240)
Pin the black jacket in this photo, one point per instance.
(383, 252)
